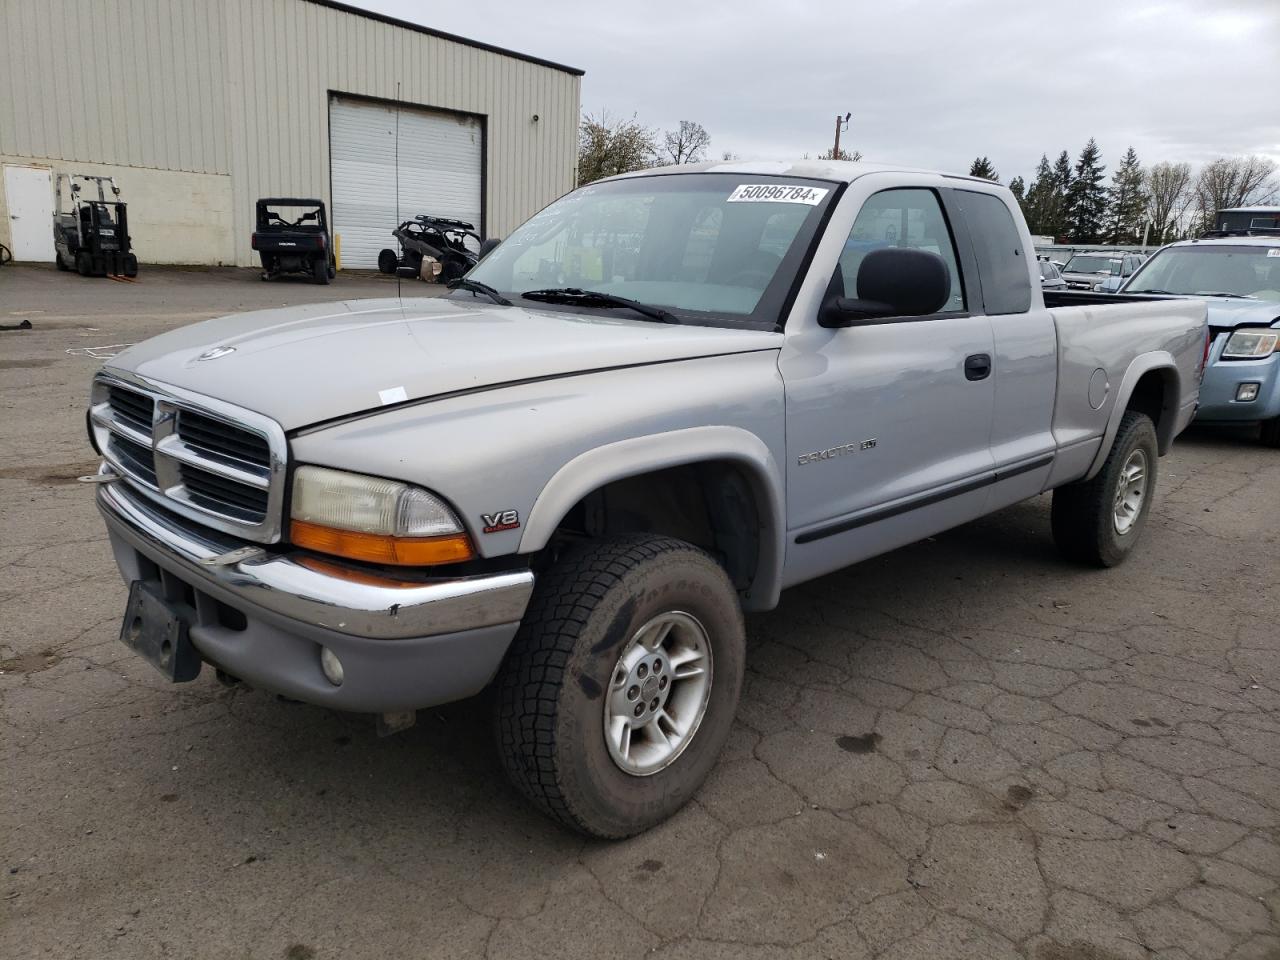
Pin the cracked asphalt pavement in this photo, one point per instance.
(967, 748)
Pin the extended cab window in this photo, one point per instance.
(1006, 282)
(907, 217)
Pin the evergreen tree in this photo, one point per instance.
(1039, 194)
(1128, 201)
(1062, 180)
(1087, 197)
(1019, 190)
(981, 167)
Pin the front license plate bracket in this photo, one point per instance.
(158, 630)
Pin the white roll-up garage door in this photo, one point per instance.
(441, 158)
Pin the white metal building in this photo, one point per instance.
(199, 107)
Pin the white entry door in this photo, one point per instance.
(439, 158)
(28, 194)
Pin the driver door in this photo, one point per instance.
(888, 422)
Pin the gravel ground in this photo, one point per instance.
(967, 748)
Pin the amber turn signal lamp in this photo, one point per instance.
(380, 548)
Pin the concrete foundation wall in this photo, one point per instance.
(174, 216)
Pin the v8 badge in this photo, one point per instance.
(502, 520)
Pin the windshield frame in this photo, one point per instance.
(1207, 249)
(770, 312)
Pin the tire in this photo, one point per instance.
(1271, 432)
(1089, 525)
(84, 263)
(387, 261)
(562, 671)
(320, 271)
(130, 265)
(57, 262)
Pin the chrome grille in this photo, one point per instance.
(137, 459)
(222, 439)
(202, 458)
(225, 496)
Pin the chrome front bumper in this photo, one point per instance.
(279, 583)
(402, 646)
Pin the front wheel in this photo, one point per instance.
(1098, 521)
(621, 685)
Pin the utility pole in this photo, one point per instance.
(841, 123)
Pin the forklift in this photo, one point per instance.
(92, 236)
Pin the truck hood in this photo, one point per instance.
(306, 364)
(1225, 312)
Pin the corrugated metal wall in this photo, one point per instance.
(241, 87)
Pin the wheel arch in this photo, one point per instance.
(1151, 385)
(739, 449)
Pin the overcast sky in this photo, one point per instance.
(929, 83)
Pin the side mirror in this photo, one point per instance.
(892, 282)
(488, 246)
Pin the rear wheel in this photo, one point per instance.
(1098, 521)
(622, 683)
(1271, 432)
(84, 263)
(320, 271)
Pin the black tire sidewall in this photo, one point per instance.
(606, 799)
(1137, 432)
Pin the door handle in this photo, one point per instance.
(977, 366)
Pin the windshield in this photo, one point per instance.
(1240, 271)
(708, 247)
(1092, 264)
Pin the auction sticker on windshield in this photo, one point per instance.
(1273, 252)
(777, 193)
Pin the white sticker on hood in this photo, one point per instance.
(777, 193)
(1273, 252)
(392, 395)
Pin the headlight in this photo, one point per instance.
(375, 520)
(1250, 344)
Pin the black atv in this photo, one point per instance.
(92, 236)
(444, 241)
(292, 236)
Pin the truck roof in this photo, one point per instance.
(1257, 240)
(835, 170)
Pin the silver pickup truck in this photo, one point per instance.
(660, 402)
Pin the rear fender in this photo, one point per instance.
(1157, 360)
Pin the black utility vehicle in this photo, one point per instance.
(445, 241)
(91, 236)
(292, 236)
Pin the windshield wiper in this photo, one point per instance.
(572, 295)
(475, 286)
(1157, 290)
(1224, 293)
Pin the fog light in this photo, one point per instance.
(1247, 392)
(331, 666)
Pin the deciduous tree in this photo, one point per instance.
(1233, 182)
(609, 145)
(687, 144)
(1168, 195)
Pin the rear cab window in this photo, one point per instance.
(997, 246)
